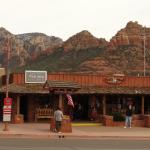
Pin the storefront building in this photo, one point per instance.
(93, 95)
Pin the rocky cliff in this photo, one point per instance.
(26, 47)
(82, 53)
(126, 49)
(123, 54)
(83, 40)
(132, 34)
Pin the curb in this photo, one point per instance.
(52, 136)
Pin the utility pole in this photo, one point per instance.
(7, 77)
(144, 40)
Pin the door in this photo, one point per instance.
(24, 107)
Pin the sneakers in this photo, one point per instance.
(126, 127)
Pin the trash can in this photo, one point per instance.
(19, 118)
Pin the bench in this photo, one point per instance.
(43, 113)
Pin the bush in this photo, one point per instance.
(118, 116)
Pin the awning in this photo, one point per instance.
(24, 88)
(114, 90)
(38, 88)
(61, 84)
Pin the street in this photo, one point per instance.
(72, 144)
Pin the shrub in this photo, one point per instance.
(118, 116)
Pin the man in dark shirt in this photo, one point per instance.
(128, 119)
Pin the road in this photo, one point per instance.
(72, 144)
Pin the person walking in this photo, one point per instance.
(58, 116)
(128, 118)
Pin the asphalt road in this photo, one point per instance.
(72, 144)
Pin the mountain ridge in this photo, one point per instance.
(83, 52)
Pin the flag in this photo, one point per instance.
(70, 100)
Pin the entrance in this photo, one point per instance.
(81, 107)
(24, 107)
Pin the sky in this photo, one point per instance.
(64, 18)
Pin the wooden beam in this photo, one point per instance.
(142, 105)
(104, 104)
(18, 104)
(60, 101)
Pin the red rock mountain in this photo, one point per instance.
(83, 52)
(124, 53)
(126, 49)
(26, 47)
(83, 40)
(132, 34)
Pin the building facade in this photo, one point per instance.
(93, 95)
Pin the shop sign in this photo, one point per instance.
(8, 101)
(35, 76)
(114, 80)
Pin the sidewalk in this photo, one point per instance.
(42, 130)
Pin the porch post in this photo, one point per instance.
(60, 101)
(104, 104)
(142, 106)
(18, 104)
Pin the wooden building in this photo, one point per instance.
(105, 93)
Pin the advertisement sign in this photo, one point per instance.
(7, 117)
(7, 101)
(7, 109)
(7, 113)
(35, 76)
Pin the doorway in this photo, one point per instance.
(24, 107)
(81, 108)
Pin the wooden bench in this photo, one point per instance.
(43, 113)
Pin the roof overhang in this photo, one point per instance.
(38, 88)
(61, 86)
